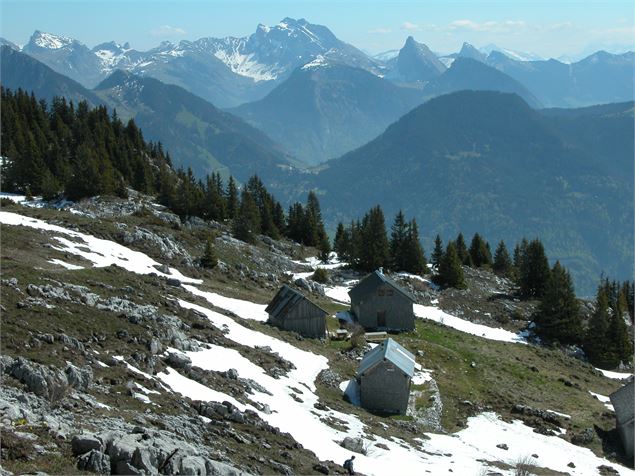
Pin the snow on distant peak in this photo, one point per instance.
(50, 41)
(319, 61)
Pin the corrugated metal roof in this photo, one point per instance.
(392, 351)
(370, 282)
(285, 299)
(622, 400)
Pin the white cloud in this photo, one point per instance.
(410, 26)
(167, 31)
(488, 26)
(380, 31)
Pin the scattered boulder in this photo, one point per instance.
(84, 443)
(502, 446)
(355, 445)
(179, 361)
(94, 461)
(79, 378)
(584, 437)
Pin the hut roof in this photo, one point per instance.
(374, 279)
(392, 351)
(285, 299)
(622, 400)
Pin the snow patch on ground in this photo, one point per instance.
(615, 375)
(604, 399)
(100, 252)
(243, 309)
(66, 265)
(437, 315)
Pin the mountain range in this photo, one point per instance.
(486, 162)
(232, 71)
(489, 163)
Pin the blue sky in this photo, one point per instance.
(549, 28)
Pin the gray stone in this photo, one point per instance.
(95, 462)
(502, 446)
(144, 460)
(84, 443)
(163, 268)
(154, 346)
(179, 361)
(232, 374)
(79, 378)
(38, 379)
(585, 437)
(355, 445)
(193, 465)
(173, 282)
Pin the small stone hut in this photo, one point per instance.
(292, 311)
(384, 376)
(378, 303)
(623, 402)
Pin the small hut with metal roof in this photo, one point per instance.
(384, 376)
(622, 400)
(379, 303)
(292, 311)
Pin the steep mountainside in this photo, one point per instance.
(121, 354)
(22, 71)
(326, 109)
(599, 78)
(470, 74)
(66, 56)
(484, 161)
(197, 134)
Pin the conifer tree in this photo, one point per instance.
(461, 250)
(374, 251)
(247, 223)
(437, 254)
(341, 241)
(414, 255)
(534, 270)
(324, 248)
(209, 258)
(596, 342)
(502, 262)
(558, 315)
(479, 252)
(232, 198)
(398, 238)
(450, 272)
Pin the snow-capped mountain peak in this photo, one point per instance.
(50, 41)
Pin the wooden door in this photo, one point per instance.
(381, 318)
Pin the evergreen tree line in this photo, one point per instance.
(73, 150)
(365, 244)
(606, 340)
(77, 152)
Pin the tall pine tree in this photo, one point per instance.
(558, 316)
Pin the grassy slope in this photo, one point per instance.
(502, 375)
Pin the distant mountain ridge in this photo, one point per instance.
(326, 109)
(231, 71)
(20, 70)
(197, 134)
(486, 162)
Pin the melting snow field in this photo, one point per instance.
(464, 452)
(615, 375)
(435, 314)
(604, 399)
(100, 252)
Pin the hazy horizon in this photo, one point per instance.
(550, 30)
